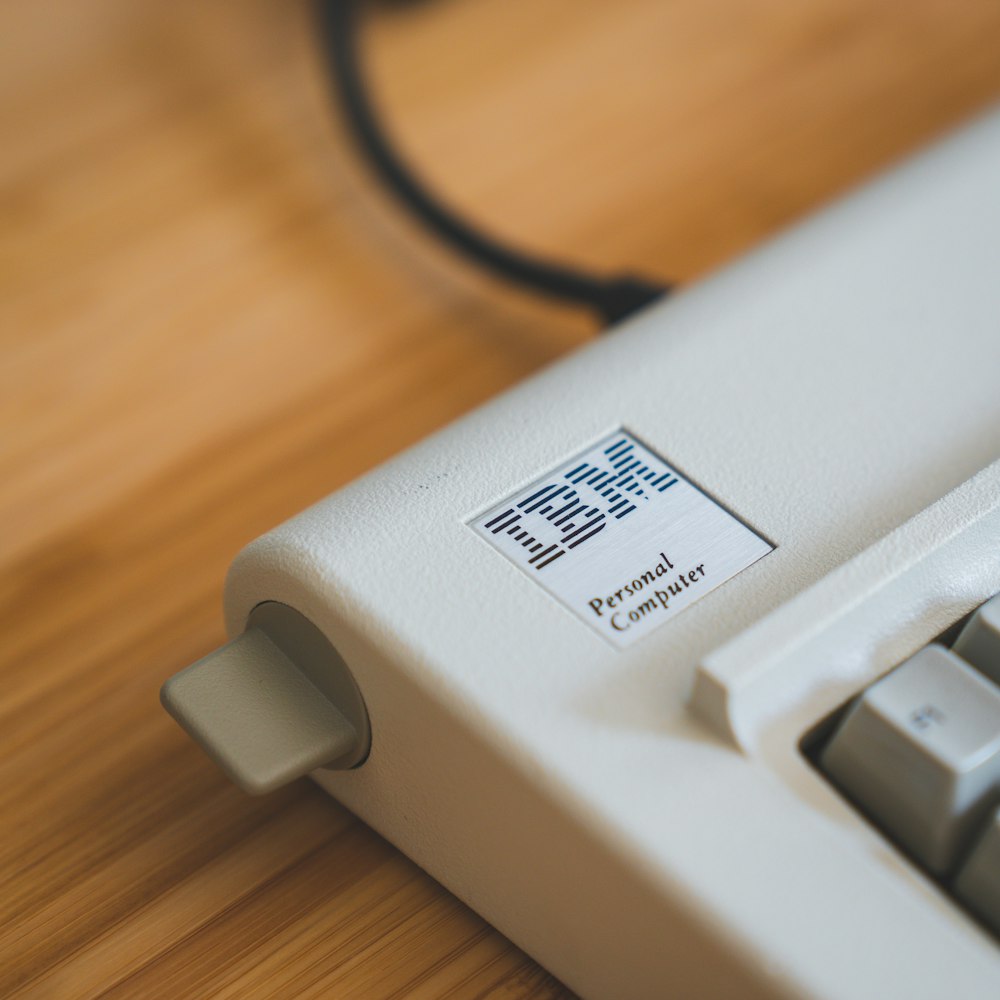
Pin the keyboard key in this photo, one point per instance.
(920, 752)
(978, 882)
(979, 641)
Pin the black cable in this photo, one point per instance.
(612, 298)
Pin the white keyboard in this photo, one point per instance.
(585, 654)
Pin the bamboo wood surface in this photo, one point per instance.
(210, 317)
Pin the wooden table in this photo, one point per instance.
(211, 317)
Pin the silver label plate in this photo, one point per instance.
(620, 538)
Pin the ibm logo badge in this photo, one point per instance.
(620, 538)
(579, 504)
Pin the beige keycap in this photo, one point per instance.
(978, 882)
(979, 641)
(919, 751)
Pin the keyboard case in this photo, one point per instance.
(641, 818)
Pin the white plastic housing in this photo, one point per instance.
(838, 391)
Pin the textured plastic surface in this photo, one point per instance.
(563, 787)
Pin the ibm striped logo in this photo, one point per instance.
(605, 486)
(619, 538)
